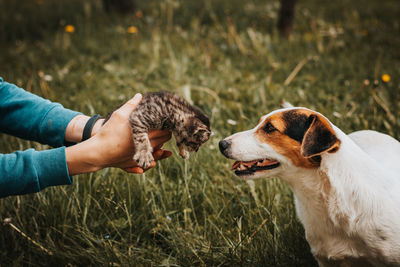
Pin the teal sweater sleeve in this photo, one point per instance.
(28, 116)
(31, 117)
(30, 171)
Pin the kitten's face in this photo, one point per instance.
(192, 136)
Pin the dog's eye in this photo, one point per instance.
(269, 128)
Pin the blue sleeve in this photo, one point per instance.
(31, 117)
(30, 171)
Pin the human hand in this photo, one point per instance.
(112, 145)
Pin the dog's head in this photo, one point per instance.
(283, 140)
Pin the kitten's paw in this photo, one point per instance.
(143, 159)
(184, 153)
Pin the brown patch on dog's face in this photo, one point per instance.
(300, 135)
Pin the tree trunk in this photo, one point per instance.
(120, 6)
(286, 17)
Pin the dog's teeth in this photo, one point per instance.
(241, 167)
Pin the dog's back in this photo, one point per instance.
(381, 147)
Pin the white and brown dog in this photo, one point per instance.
(346, 187)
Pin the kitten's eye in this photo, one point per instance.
(183, 141)
(269, 128)
(191, 144)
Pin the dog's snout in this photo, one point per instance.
(223, 145)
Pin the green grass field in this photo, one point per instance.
(226, 57)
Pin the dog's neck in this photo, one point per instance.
(330, 199)
(349, 175)
(358, 180)
(312, 190)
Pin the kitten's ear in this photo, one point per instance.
(201, 116)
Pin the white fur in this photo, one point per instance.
(350, 205)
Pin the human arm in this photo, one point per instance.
(31, 117)
(31, 171)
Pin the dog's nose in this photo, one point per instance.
(223, 145)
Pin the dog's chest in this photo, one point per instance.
(325, 226)
(332, 235)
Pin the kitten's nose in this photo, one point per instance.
(223, 145)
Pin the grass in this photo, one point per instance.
(227, 58)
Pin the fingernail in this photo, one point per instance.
(158, 153)
(137, 98)
(139, 170)
(167, 154)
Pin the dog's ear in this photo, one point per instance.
(320, 137)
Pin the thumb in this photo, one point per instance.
(131, 105)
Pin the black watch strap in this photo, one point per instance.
(87, 130)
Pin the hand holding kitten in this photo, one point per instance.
(112, 145)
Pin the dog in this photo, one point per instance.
(346, 187)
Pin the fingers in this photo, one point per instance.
(161, 154)
(139, 170)
(158, 155)
(166, 154)
(130, 106)
(97, 126)
(159, 133)
(158, 138)
(136, 170)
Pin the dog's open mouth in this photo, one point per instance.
(250, 167)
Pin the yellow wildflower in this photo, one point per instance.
(132, 29)
(69, 28)
(139, 14)
(308, 36)
(386, 78)
(364, 32)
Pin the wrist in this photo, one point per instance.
(83, 158)
(74, 130)
(88, 129)
(97, 126)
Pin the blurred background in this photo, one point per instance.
(237, 60)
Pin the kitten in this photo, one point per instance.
(166, 110)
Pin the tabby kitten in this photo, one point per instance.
(165, 110)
